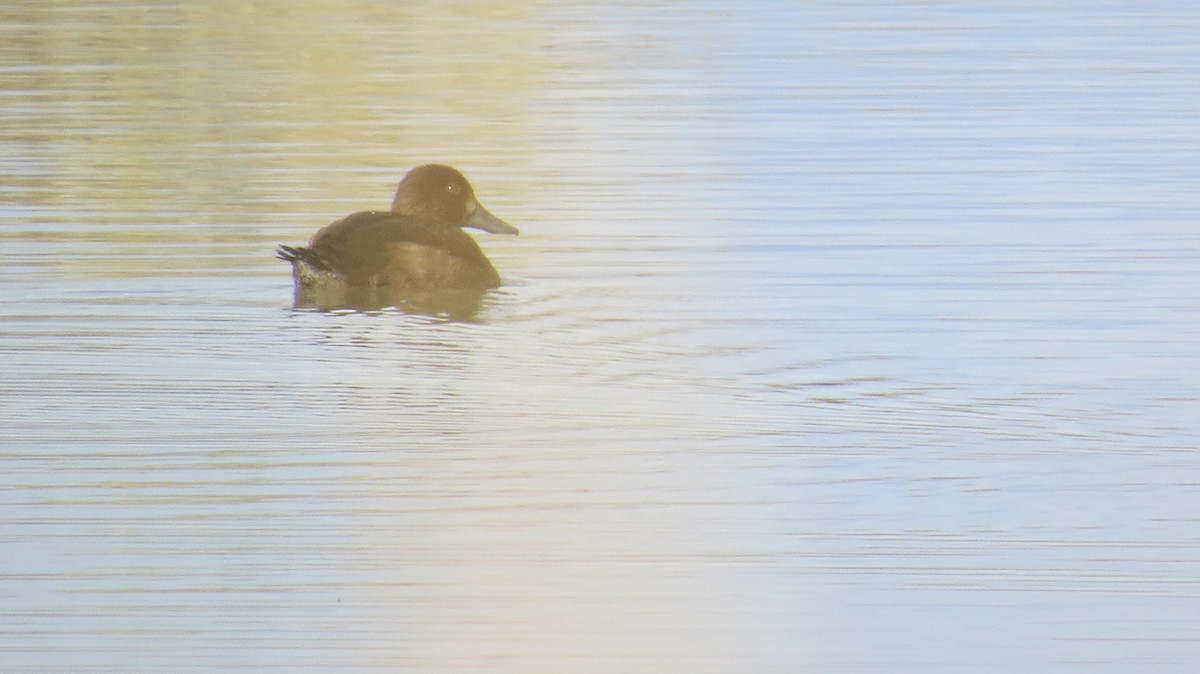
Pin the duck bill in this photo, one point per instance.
(480, 218)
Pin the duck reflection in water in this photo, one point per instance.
(416, 256)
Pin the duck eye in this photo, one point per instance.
(453, 188)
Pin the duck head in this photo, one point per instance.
(440, 194)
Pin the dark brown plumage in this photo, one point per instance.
(419, 245)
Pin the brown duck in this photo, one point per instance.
(419, 245)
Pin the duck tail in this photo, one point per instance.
(300, 254)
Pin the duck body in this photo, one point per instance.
(417, 246)
(378, 249)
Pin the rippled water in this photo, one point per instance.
(840, 337)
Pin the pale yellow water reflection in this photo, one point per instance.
(838, 338)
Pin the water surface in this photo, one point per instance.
(843, 337)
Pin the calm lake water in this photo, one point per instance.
(843, 337)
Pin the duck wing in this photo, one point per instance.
(361, 247)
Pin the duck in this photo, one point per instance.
(419, 245)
